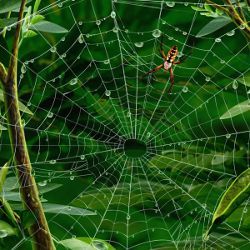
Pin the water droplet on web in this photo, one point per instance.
(81, 38)
(207, 79)
(245, 210)
(72, 177)
(107, 93)
(3, 233)
(53, 49)
(129, 114)
(63, 39)
(170, 4)
(42, 183)
(163, 22)
(73, 81)
(98, 245)
(217, 40)
(52, 162)
(243, 26)
(115, 30)
(170, 38)
(80, 23)
(148, 134)
(185, 89)
(228, 136)
(82, 157)
(128, 217)
(235, 84)
(156, 33)
(23, 69)
(230, 33)
(222, 61)
(98, 22)
(106, 61)
(50, 115)
(185, 3)
(60, 5)
(184, 33)
(113, 14)
(139, 44)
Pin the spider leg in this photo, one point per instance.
(153, 70)
(171, 80)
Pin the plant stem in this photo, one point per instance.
(39, 231)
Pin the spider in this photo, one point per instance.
(169, 61)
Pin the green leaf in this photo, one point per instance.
(64, 209)
(22, 107)
(86, 244)
(9, 5)
(2, 127)
(245, 79)
(37, 19)
(6, 229)
(49, 27)
(219, 159)
(30, 33)
(36, 5)
(208, 7)
(7, 22)
(237, 192)
(7, 209)
(76, 244)
(3, 174)
(236, 110)
(213, 26)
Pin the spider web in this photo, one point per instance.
(89, 99)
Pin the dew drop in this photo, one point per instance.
(81, 38)
(170, 4)
(98, 245)
(222, 61)
(185, 89)
(113, 14)
(107, 92)
(50, 115)
(129, 114)
(245, 210)
(184, 33)
(60, 5)
(82, 157)
(243, 26)
(139, 44)
(80, 23)
(128, 217)
(73, 81)
(115, 30)
(52, 162)
(53, 49)
(228, 136)
(63, 39)
(72, 177)
(98, 22)
(156, 33)
(163, 22)
(230, 33)
(106, 61)
(217, 40)
(235, 84)
(42, 183)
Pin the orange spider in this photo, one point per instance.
(169, 61)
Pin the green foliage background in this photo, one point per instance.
(75, 135)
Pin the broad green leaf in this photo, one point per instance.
(37, 18)
(36, 5)
(30, 33)
(22, 107)
(64, 209)
(236, 110)
(245, 79)
(84, 243)
(49, 27)
(76, 244)
(213, 26)
(7, 22)
(237, 192)
(3, 173)
(6, 229)
(208, 7)
(49, 187)
(98, 244)
(10, 5)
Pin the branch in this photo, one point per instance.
(39, 231)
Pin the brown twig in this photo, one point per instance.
(39, 231)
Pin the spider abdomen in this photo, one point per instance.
(172, 53)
